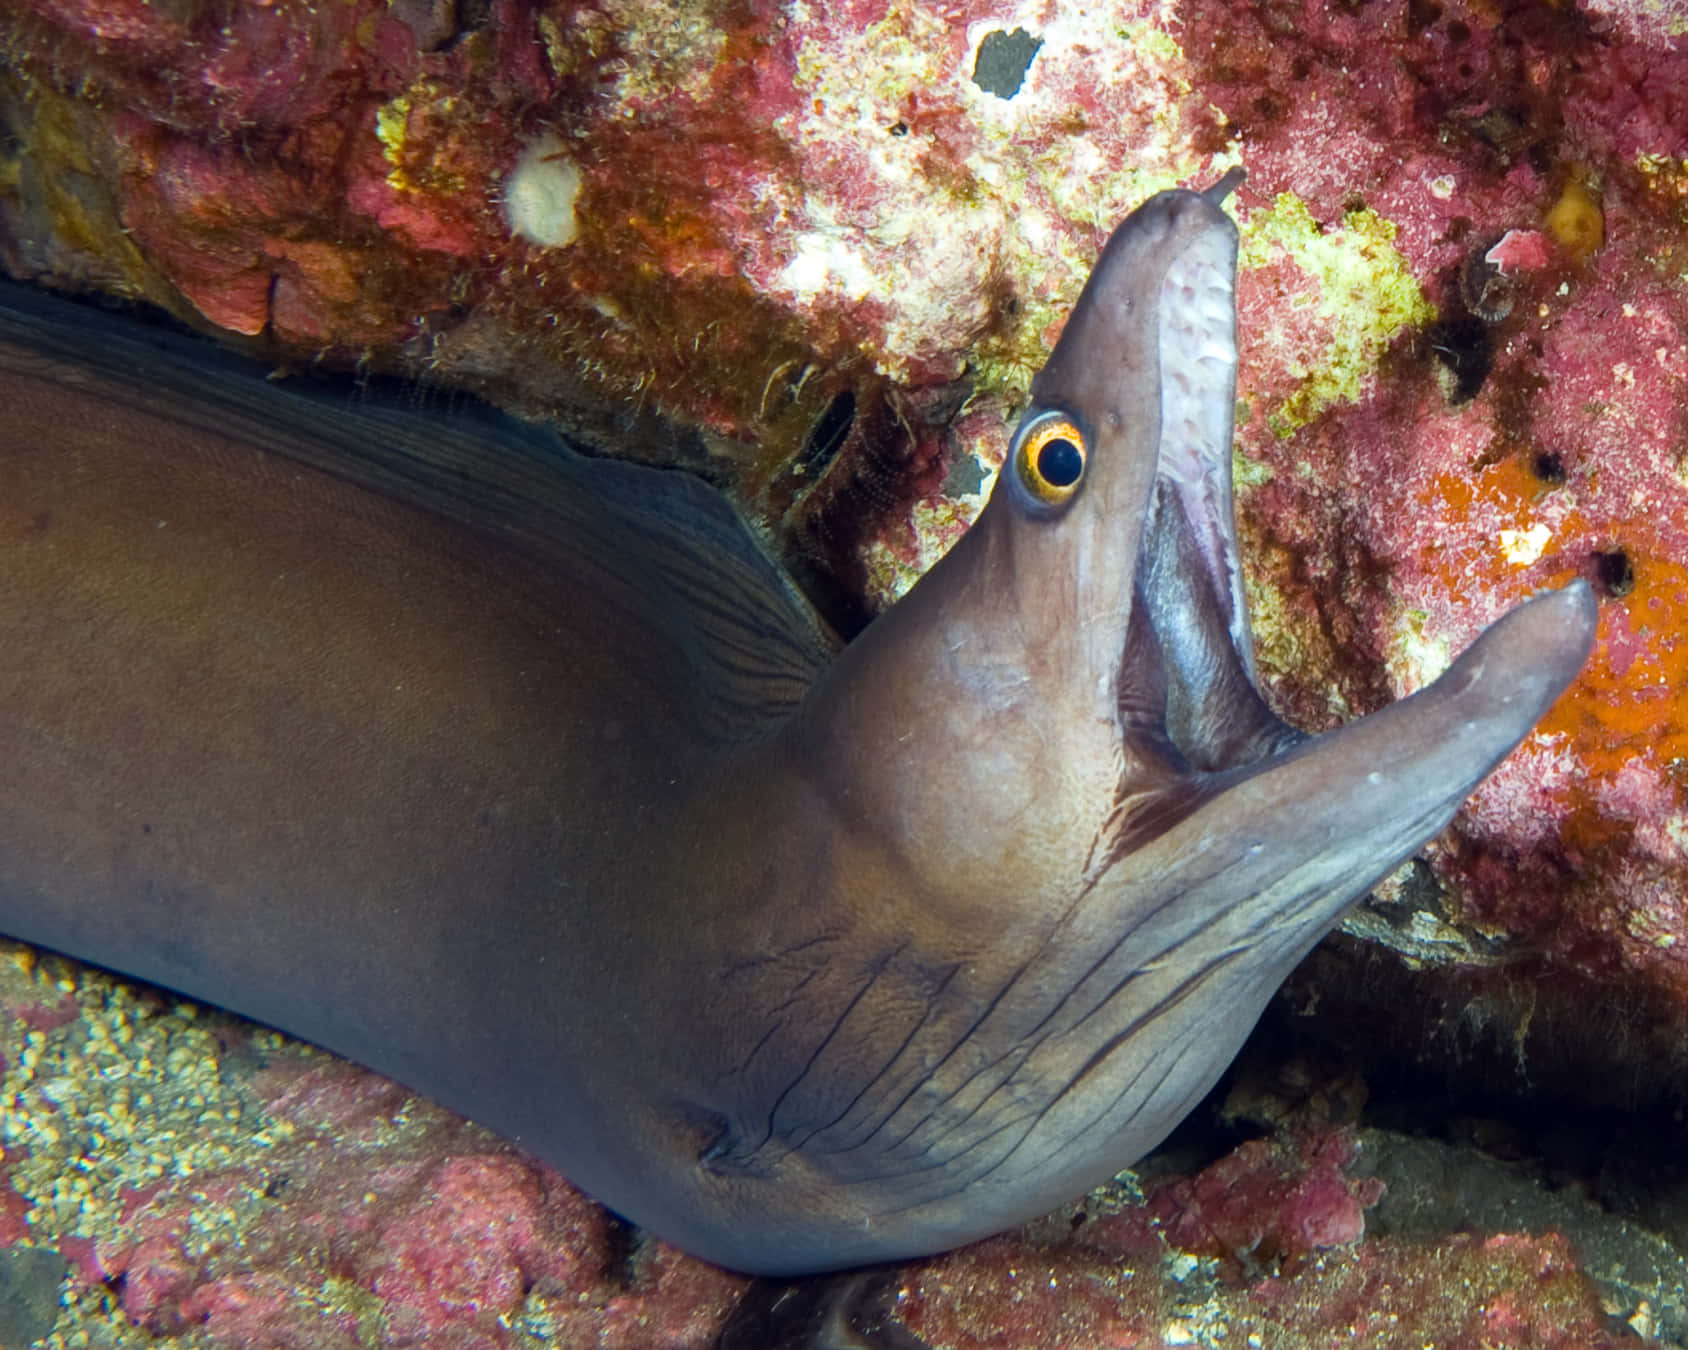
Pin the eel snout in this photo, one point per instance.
(1513, 672)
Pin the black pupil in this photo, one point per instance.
(1059, 462)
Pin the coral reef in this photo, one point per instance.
(1422, 452)
(204, 1176)
(816, 252)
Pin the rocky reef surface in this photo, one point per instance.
(815, 252)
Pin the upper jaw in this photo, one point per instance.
(1197, 341)
(1146, 367)
(1161, 306)
(1190, 648)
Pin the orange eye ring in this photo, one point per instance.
(1049, 457)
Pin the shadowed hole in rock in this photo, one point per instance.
(1002, 60)
(1463, 348)
(1616, 571)
(1548, 467)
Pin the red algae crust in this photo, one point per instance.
(1464, 378)
(738, 210)
(211, 1183)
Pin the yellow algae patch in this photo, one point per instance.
(392, 119)
(1415, 656)
(1576, 222)
(1359, 294)
(410, 127)
(934, 526)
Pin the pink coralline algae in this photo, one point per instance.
(237, 159)
(1286, 1196)
(1402, 484)
(744, 213)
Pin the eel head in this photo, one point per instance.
(1073, 850)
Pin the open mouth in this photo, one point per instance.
(1187, 677)
(1198, 369)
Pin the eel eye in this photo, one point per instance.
(1048, 455)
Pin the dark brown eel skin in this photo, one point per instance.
(531, 782)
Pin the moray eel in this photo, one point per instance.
(530, 781)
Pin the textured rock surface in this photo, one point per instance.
(1439, 425)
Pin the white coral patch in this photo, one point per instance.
(828, 260)
(540, 193)
(1523, 547)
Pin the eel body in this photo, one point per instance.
(531, 782)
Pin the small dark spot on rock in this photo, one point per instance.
(622, 1248)
(1002, 60)
(1503, 130)
(1466, 353)
(1548, 467)
(1458, 31)
(899, 128)
(433, 22)
(1487, 291)
(1421, 14)
(473, 14)
(29, 1293)
(965, 477)
(1616, 571)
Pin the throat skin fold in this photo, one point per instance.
(531, 782)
